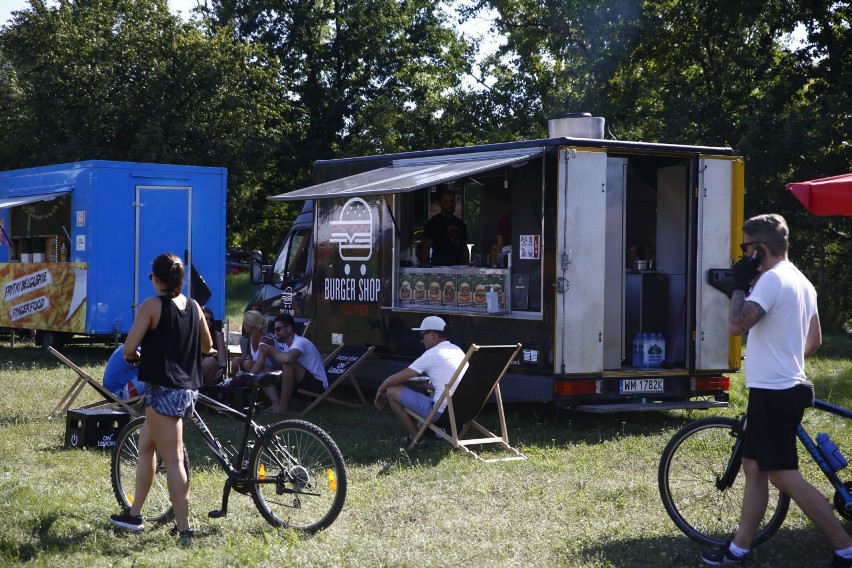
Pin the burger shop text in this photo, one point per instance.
(352, 289)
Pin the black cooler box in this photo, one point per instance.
(94, 428)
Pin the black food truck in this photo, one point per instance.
(607, 260)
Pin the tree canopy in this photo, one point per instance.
(266, 87)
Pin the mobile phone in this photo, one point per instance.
(759, 253)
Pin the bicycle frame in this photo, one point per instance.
(732, 469)
(236, 467)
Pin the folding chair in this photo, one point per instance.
(477, 376)
(340, 366)
(83, 378)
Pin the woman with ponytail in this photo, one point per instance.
(173, 335)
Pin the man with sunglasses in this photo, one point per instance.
(439, 363)
(776, 305)
(299, 360)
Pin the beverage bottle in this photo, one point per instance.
(332, 481)
(63, 253)
(261, 471)
(830, 452)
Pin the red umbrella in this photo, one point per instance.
(826, 196)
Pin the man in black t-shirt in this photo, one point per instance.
(446, 235)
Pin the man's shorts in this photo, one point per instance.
(170, 402)
(773, 417)
(418, 402)
(310, 383)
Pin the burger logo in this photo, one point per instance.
(479, 294)
(405, 290)
(464, 292)
(353, 232)
(449, 291)
(419, 290)
(434, 291)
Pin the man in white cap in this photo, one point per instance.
(439, 363)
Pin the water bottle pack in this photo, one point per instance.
(648, 350)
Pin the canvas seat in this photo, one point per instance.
(478, 376)
(83, 378)
(340, 366)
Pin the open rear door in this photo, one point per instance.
(716, 212)
(581, 242)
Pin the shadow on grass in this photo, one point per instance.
(801, 547)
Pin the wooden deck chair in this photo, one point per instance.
(340, 366)
(83, 378)
(486, 365)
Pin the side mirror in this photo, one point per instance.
(259, 273)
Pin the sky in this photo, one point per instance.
(8, 6)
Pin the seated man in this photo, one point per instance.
(439, 363)
(299, 360)
(121, 378)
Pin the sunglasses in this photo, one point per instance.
(424, 333)
(744, 246)
(150, 276)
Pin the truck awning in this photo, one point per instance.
(409, 175)
(7, 202)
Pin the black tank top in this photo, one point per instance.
(171, 354)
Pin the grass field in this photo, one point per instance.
(587, 495)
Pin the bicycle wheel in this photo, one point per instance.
(693, 460)
(305, 476)
(125, 457)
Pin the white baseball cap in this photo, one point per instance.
(431, 323)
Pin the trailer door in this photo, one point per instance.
(163, 224)
(580, 255)
(715, 210)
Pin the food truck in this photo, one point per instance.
(77, 241)
(612, 274)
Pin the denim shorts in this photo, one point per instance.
(170, 402)
(418, 402)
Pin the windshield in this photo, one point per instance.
(292, 262)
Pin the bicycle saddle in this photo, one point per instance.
(260, 380)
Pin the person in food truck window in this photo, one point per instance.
(439, 363)
(777, 305)
(299, 360)
(445, 234)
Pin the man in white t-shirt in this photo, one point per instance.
(299, 360)
(439, 363)
(776, 305)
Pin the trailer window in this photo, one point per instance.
(292, 262)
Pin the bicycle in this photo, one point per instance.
(702, 490)
(292, 469)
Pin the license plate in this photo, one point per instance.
(629, 386)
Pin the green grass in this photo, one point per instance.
(238, 291)
(587, 496)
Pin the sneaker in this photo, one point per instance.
(405, 441)
(723, 556)
(184, 535)
(840, 562)
(127, 521)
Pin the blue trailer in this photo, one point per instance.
(77, 241)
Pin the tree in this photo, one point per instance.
(126, 80)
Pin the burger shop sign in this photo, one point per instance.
(351, 230)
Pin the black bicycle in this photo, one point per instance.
(292, 469)
(702, 489)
